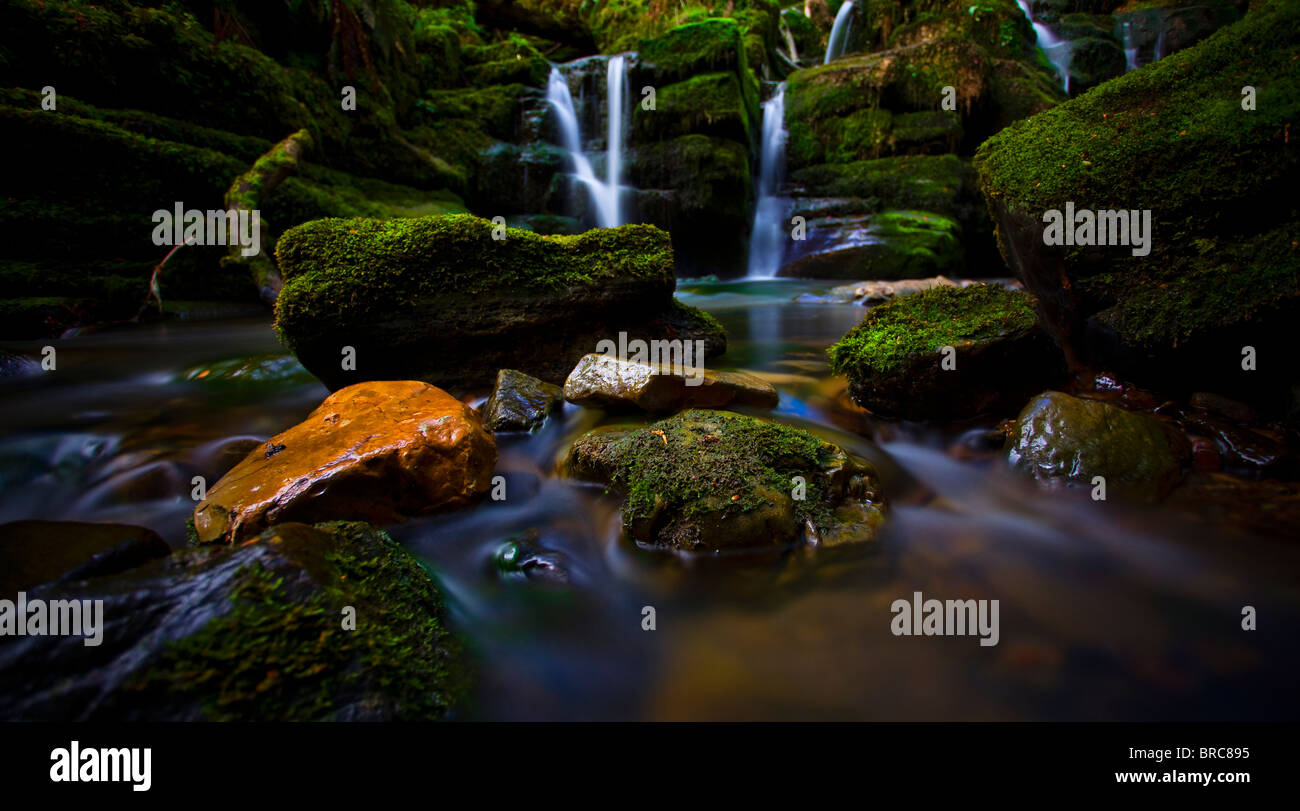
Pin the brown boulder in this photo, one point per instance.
(375, 451)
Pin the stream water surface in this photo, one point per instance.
(1106, 611)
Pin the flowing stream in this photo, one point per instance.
(1106, 612)
(1056, 49)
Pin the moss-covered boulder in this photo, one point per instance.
(947, 353)
(1067, 441)
(440, 299)
(520, 402)
(374, 451)
(333, 622)
(712, 481)
(1223, 270)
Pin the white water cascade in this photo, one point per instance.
(1130, 48)
(766, 239)
(1057, 49)
(839, 33)
(604, 193)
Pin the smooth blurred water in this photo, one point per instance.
(1107, 612)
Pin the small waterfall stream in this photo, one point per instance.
(839, 33)
(765, 240)
(1056, 49)
(605, 193)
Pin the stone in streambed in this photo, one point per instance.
(33, 553)
(947, 353)
(376, 451)
(254, 632)
(1064, 440)
(708, 481)
(605, 381)
(520, 402)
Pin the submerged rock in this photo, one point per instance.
(1217, 295)
(709, 481)
(520, 402)
(33, 553)
(1064, 440)
(256, 632)
(439, 299)
(947, 353)
(606, 381)
(375, 451)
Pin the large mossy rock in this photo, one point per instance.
(1223, 271)
(254, 632)
(947, 353)
(886, 245)
(439, 299)
(375, 451)
(713, 481)
(1068, 441)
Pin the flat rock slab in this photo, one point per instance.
(376, 451)
(606, 381)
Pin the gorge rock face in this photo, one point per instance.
(898, 365)
(712, 481)
(610, 382)
(439, 299)
(374, 451)
(252, 632)
(1064, 440)
(873, 151)
(1213, 304)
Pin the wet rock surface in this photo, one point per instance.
(33, 553)
(254, 632)
(520, 402)
(376, 451)
(609, 382)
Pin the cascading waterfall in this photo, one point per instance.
(789, 41)
(766, 238)
(1057, 49)
(1130, 48)
(604, 193)
(615, 84)
(839, 33)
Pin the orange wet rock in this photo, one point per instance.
(377, 451)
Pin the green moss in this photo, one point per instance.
(278, 656)
(923, 322)
(680, 471)
(688, 50)
(710, 175)
(396, 262)
(711, 104)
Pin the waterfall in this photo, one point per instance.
(604, 193)
(615, 83)
(789, 41)
(1056, 49)
(839, 33)
(1160, 43)
(766, 240)
(1130, 48)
